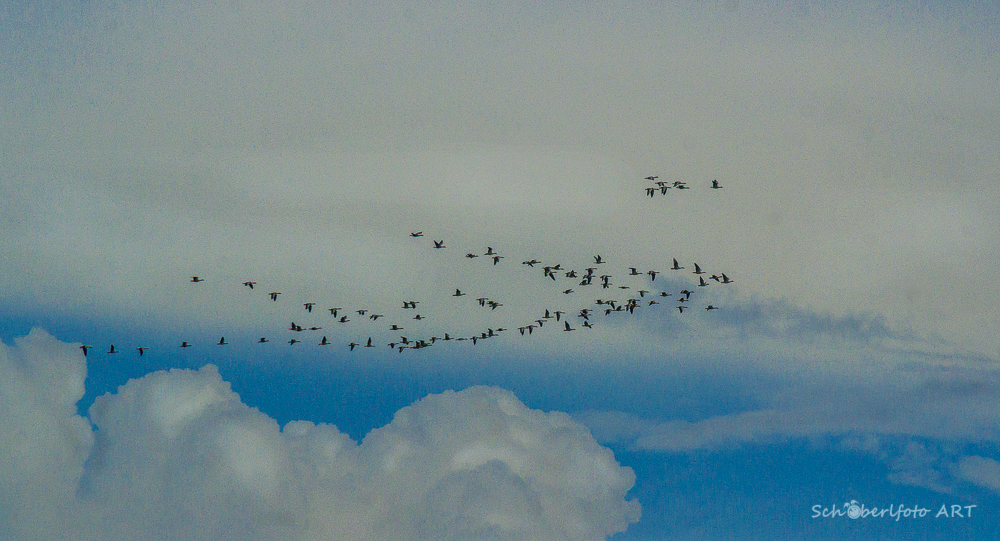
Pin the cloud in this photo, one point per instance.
(178, 455)
(981, 471)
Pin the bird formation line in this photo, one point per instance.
(661, 186)
(614, 298)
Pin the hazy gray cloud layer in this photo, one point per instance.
(858, 148)
(177, 455)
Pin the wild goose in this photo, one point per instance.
(697, 269)
(439, 243)
(417, 234)
(196, 279)
(309, 306)
(84, 349)
(112, 350)
(141, 350)
(249, 284)
(274, 295)
(222, 341)
(676, 265)
(715, 185)
(184, 344)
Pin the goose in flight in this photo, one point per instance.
(222, 341)
(84, 349)
(702, 282)
(410, 304)
(568, 328)
(439, 243)
(530, 262)
(395, 327)
(374, 317)
(458, 293)
(274, 295)
(293, 341)
(352, 345)
(680, 308)
(361, 312)
(651, 191)
(343, 319)
(652, 177)
(598, 260)
(141, 350)
(249, 283)
(496, 259)
(633, 271)
(676, 266)
(697, 269)
(263, 340)
(725, 279)
(369, 344)
(417, 234)
(482, 300)
(196, 279)
(324, 342)
(418, 317)
(333, 311)
(489, 251)
(112, 350)
(184, 344)
(715, 185)
(309, 306)
(470, 255)
(711, 307)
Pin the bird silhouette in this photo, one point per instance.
(676, 265)
(439, 243)
(715, 185)
(417, 234)
(249, 283)
(141, 350)
(84, 349)
(274, 295)
(196, 279)
(184, 344)
(112, 350)
(222, 341)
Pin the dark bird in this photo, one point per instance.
(697, 269)
(489, 251)
(587, 325)
(84, 348)
(652, 177)
(633, 272)
(274, 295)
(568, 328)
(651, 191)
(597, 259)
(482, 301)
(702, 282)
(395, 327)
(249, 284)
(410, 304)
(676, 265)
(315, 328)
(497, 258)
(293, 341)
(439, 243)
(352, 344)
(417, 234)
(141, 350)
(324, 342)
(531, 262)
(470, 255)
(458, 293)
(715, 185)
(374, 317)
(112, 350)
(184, 344)
(196, 279)
(710, 307)
(262, 340)
(418, 317)
(343, 319)
(222, 341)
(369, 344)
(680, 309)
(333, 311)
(567, 291)
(361, 312)
(725, 279)
(494, 304)
(309, 306)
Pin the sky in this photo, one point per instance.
(849, 367)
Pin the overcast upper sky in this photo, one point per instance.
(298, 145)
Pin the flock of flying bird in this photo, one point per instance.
(569, 281)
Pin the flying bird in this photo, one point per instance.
(417, 234)
(249, 283)
(309, 306)
(293, 341)
(715, 185)
(324, 342)
(84, 348)
(697, 269)
(184, 344)
(676, 265)
(222, 341)
(439, 243)
(196, 279)
(274, 295)
(141, 350)
(458, 293)
(112, 350)
(262, 340)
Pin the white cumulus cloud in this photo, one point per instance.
(178, 455)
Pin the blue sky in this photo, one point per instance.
(852, 358)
